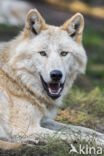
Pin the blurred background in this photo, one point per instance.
(84, 104)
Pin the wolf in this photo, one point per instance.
(37, 68)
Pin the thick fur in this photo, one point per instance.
(23, 100)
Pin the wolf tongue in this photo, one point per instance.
(54, 87)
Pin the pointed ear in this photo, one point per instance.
(74, 26)
(34, 22)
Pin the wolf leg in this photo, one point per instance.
(8, 145)
(81, 132)
(42, 134)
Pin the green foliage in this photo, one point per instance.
(7, 32)
(9, 28)
(93, 38)
(94, 44)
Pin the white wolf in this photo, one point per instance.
(36, 71)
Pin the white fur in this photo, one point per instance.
(53, 45)
(4, 114)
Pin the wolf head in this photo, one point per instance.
(48, 58)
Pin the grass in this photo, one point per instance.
(7, 32)
(55, 148)
(94, 43)
(93, 37)
(83, 108)
(8, 27)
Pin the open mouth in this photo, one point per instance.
(53, 89)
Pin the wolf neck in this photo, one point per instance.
(16, 88)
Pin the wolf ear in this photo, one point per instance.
(74, 26)
(34, 22)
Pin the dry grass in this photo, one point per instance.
(83, 108)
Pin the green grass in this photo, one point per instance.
(93, 40)
(10, 28)
(7, 32)
(92, 101)
(52, 148)
(84, 108)
(57, 148)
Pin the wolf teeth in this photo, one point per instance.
(54, 93)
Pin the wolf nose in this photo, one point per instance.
(56, 75)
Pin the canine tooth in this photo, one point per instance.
(59, 90)
(50, 90)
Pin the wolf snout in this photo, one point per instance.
(56, 75)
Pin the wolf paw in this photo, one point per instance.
(30, 141)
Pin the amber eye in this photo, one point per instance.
(43, 53)
(63, 53)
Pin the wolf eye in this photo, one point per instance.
(43, 53)
(63, 53)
